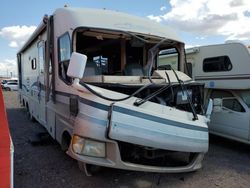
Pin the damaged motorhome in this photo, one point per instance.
(90, 78)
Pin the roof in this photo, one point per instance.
(222, 45)
(114, 20)
(106, 19)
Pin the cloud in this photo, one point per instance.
(200, 38)
(163, 8)
(17, 35)
(13, 44)
(229, 18)
(155, 18)
(8, 66)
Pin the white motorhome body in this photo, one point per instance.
(160, 116)
(225, 70)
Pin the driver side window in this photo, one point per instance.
(64, 52)
(228, 100)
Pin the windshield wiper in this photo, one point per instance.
(140, 102)
(195, 117)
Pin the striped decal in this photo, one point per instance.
(136, 114)
(158, 119)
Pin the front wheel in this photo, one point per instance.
(7, 89)
(29, 114)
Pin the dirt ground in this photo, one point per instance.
(227, 164)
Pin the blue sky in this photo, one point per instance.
(199, 22)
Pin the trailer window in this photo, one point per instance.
(33, 64)
(217, 64)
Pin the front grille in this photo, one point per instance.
(153, 157)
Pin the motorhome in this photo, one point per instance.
(90, 78)
(225, 71)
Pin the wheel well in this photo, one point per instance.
(66, 139)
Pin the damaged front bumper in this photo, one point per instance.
(114, 159)
(139, 141)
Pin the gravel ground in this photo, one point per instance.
(227, 164)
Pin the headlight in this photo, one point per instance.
(88, 147)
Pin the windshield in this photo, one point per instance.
(245, 95)
(119, 53)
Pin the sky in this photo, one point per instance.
(198, 22)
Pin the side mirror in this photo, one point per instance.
(209, 108)
(217, 105)
(76, 70)
(77, 65)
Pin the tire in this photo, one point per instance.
(66, 140)
(7, 89)
(29, 115)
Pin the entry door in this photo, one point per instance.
(41, 84)
(233, 119)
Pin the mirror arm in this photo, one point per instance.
(76, 84)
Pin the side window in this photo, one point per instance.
(167, 59)
(228, 100)
(64, 51)
(189, 69)
(233, 104)
(217, 64)
(64, 48)
(12, 83)
(33, 64)
(41, 56)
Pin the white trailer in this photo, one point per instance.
(225, 71)
(89, 77)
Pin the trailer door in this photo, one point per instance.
(41, 83)
(233, 119)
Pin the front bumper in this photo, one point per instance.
(113, 159)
